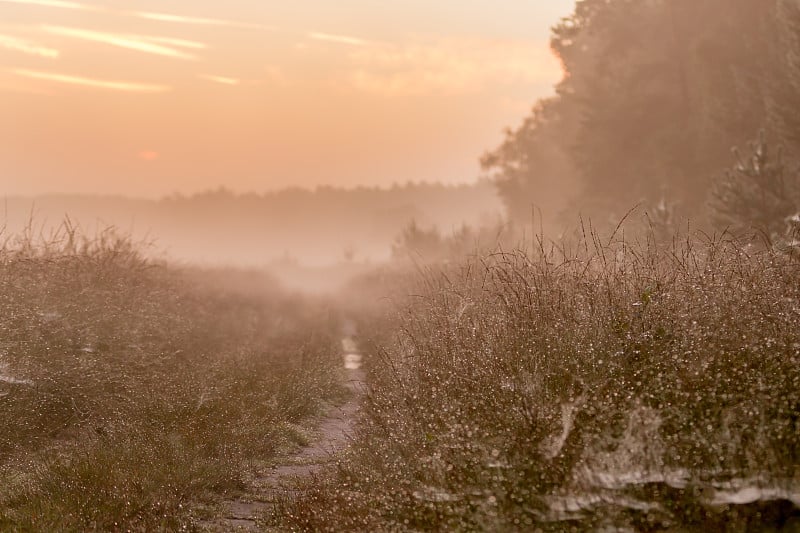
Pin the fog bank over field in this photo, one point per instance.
(296, 226)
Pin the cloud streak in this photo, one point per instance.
(27, 47)
(68, 79)
(340, 39)
(148, 15)
(219, 79)
(195, 21)
(60, 4)
(144, 44)
(171, 41)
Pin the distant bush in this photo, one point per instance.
(430, 245)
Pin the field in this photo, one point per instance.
(606, 385)
(400, 266)
(134, 395)
(591, 385)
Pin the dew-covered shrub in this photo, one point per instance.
(131, 391)
(606, 383)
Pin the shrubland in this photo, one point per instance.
(132, 392)
(618, 382)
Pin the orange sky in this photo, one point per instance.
(152, 97)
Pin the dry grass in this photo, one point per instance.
(604, 383)
(131, 391)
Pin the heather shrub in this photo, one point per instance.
(132, 391)
(606, 383)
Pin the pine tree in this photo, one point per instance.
(759, 193)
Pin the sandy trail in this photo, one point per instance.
(331, 437)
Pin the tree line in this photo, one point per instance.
(654, 96)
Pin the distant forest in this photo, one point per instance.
(655, 95)
(320, 226)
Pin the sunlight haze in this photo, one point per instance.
(150, 98)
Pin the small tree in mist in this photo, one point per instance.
(416, 241)
(759, 193)
(431, 245)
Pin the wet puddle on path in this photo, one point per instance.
(352, 357)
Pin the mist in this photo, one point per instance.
(587, 323)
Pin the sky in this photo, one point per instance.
(156, 97)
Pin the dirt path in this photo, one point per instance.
(332, 435)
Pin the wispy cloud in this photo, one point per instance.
(149, 15)
(148, 45)
(219, 79)
(340, 39)
(171, 41)
(451, 65)
(61, 4)
(197, 21)
(92, 82)
(27, 47)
